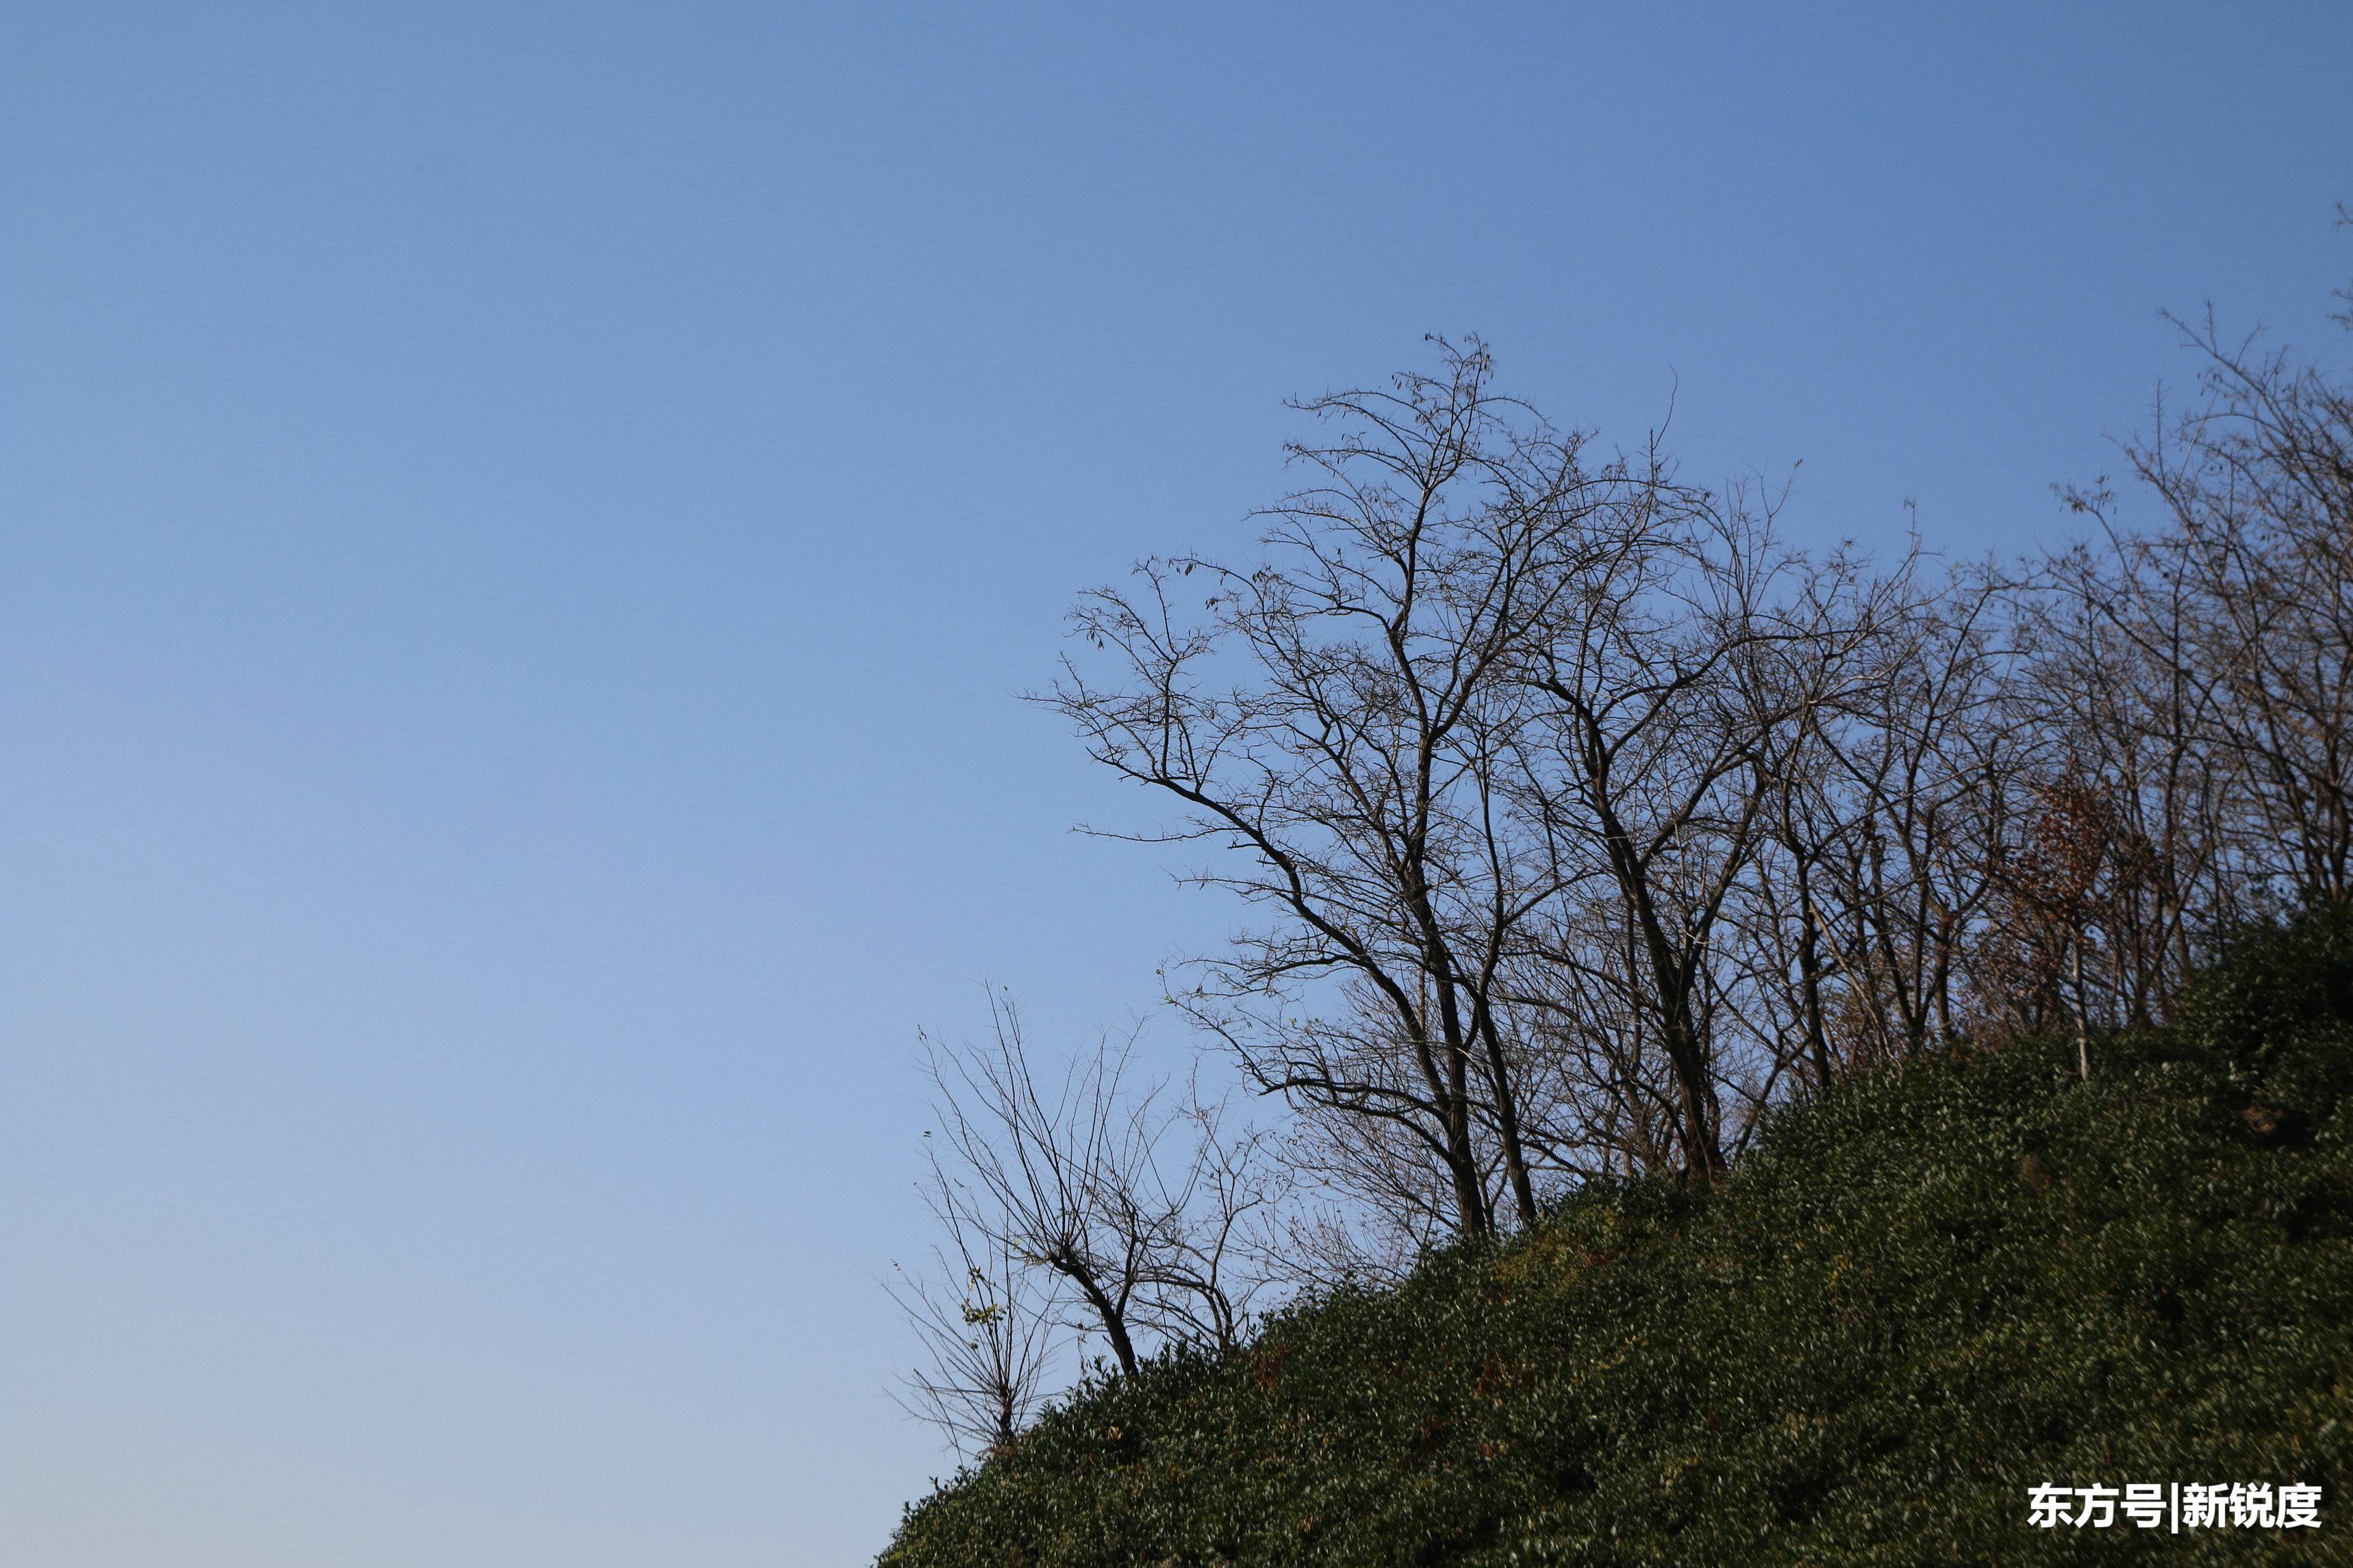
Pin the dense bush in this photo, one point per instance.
(1906, 1307)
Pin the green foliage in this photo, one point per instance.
(1909, 1305)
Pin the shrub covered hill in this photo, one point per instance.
(1908, 1306)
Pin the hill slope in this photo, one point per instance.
(1908, 1306)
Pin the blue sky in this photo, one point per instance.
(521, 530)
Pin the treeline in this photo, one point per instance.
(1585, 816)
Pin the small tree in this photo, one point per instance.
(2057, 890)
(1078, 1201)
(987, 1321)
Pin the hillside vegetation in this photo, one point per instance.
(1910, 1303)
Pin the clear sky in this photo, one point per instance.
(522, 529)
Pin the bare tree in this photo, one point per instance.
(1225, 1208)
(1883, 804)
(987, 1320)
(2245, 596)
(1111, 1205)
(1693, 670)
(2195, 676)
(1333, 719)
(2129, 728)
